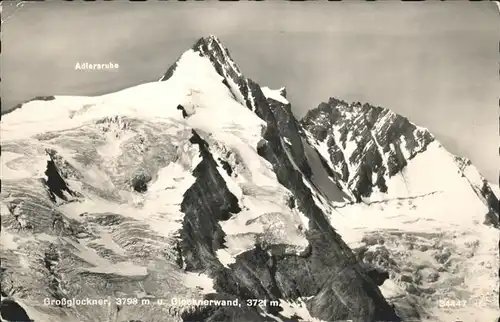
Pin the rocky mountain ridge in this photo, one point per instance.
(367, 145)
(408, 202)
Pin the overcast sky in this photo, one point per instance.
(435, 62)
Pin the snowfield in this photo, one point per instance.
(274, 94)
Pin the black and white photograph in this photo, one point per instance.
(241, 161)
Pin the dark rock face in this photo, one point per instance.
(491, 200)
(378, 276)
(181, 108)
(55, 183)
(139, 182)
(492, 217)
(226, 166)
(283, 92)
(329, 272)
(289, 128)
(13, 312)
(366, 143)
(205, 203)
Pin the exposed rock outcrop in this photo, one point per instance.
(366, 144)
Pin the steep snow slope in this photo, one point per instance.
(179, 189)
(432, 241)
(431, 222)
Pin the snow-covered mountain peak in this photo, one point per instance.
(212, 49)
(364, 144)
(243, 89)
(202, 75)
(376, 154)
(193, 86)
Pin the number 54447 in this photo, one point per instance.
(451, 303)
